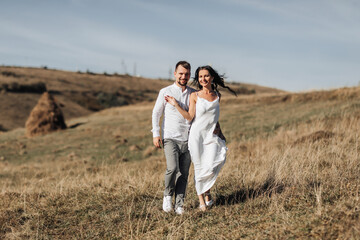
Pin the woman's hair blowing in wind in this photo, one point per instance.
(217, 81)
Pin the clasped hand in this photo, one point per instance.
(171, 100)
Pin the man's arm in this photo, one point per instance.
(157, 112)
(157, 142)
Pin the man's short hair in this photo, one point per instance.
(184, 64)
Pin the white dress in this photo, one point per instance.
(207, 150)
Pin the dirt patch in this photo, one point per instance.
(149, 151)
(316, 136)
(134, 148)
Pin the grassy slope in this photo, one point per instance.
(292, 171)
(80, 93)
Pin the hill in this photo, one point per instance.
(79, 93)
(292, 172)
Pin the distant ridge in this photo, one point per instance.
(80, 93)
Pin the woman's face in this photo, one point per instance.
(205, 78)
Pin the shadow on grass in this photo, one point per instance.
(244, 194)
(2, 129)
(76, 125)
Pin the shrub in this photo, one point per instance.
(244, 90)
(111, 100)
(89, 72)
(2, 129)
(10, 74)
(38, 87)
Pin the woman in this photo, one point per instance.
(207, 150)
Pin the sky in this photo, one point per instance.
(286, 44)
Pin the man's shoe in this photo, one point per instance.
(167, 204)
(179, 210)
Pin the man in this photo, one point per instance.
(174, 137)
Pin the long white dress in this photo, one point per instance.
(207, 150)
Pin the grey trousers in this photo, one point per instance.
(177, 169)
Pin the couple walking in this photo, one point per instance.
(185, 108)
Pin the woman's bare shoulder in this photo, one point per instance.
(193, 95)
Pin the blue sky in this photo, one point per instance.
(286, 44)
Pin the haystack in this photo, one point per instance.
(45, 117)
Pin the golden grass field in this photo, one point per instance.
(292, 172)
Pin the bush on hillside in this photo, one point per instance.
(111, 100)
(89, 72)
(2, 129)
(38, 87)
(244, 90)
(10, 74)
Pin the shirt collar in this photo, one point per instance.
(179, 88)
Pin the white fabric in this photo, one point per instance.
(174, 125)
(207, 150)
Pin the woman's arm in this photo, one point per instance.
(188, 115)
(218, 132)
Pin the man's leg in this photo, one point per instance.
(182, 175)
(172, 153)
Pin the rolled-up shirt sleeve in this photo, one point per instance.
(157, 112)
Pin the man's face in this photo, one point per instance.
(182, 76)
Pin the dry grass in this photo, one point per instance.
(79, 93)
(292, 172)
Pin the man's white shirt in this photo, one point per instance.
(174, 125)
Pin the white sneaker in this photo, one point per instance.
(167, 205)
(179, 210)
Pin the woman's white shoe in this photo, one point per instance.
(209, 203)
(202, 207)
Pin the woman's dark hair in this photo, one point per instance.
(218, 79)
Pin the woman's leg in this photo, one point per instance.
(207, 196)
(202, 205)
(208, 199)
